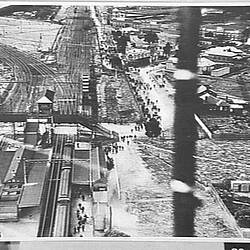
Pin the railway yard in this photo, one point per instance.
(74, 157)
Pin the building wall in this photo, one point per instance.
(219, 58)
(230, 34)
(221, 71)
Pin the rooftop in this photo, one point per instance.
(32, 191)
(81, 168)
(222, 51)
(44, 99)
(224, 26)
(13, 168)
(205, 62)
(5, 159)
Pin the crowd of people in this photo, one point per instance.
(149, 105)
(82, 218)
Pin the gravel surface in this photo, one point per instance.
(28, 35)
(144, 169)
(229, 124)
(117, 102)
(228, 86)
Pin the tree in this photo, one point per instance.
(116, 34)
(153, 128)
(121, 44)
(209, 34)
(151, 37)
(167, 49)
(221, 38)
(243, 217)
(116, 62)
(246, 34)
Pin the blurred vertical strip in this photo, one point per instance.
(184, 124)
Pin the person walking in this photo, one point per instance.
(82, 209)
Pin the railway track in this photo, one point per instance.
(78, 55)
(62, 219)
(23, 75)
(32, 66)
(74, 54)
(48, 214)
(55, 210)
(3, 143)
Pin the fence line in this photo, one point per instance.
(230, 217)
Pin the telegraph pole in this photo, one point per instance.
(183, 179)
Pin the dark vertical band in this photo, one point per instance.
(184, 124)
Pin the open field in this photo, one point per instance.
(28, 35)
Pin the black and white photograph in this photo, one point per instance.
(124, 120)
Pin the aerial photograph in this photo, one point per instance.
(124, 121)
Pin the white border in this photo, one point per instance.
(170, 3)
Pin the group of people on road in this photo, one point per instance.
(82, 219)
(127, 138)
(149, 104)
(138, 127)
(150, 108)
(113, 148)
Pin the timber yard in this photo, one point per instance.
(87, 111)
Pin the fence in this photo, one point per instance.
(231, 220)
(231, 136)
(203, 126)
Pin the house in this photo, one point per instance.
(205, 65)
(220, 71)
(129, 30)
(139, 43)
(213, 103)
(135, 54)
(165, 37)
(227, 54)
(240, 186)
(116, 14)
(236, 108)
(229, 32)
(45, 106)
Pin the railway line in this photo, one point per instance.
(32, 66)
(62, 219)
(23, 75)
(48, 214)
(78, 55)
(67, 82)
(75, 50)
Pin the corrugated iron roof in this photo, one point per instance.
(31, 195)
(5, 159)
(32, 191)
(12, 171)
(81, 172)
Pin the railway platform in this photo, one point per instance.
(82, 205)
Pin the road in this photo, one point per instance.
(162, 97)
